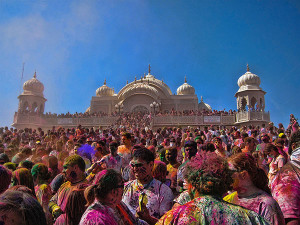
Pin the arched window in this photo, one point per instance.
(243, 104)
(34, 107)
(253, 102)
(25, 107)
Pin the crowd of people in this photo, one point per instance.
(172, 112)
(132, 175)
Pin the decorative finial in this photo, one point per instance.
(141, 79)
(135, 79)
(248, 69)
(201, 98)
(127, 82)
(105, 81)
(185, 79)
(144, 75)
(149, 69)
(162, 81)
(34, 75)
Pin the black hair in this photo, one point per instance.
(144, 154)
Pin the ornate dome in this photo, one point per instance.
(140, 88)
(202, 105)
(34, 86)
(249, 79)
(104, 90)
(185, 89)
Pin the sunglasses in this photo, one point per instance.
(136, 165)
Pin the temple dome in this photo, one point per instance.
(249, 79)
(185, 89)
(202, 105)
(104, 90)
(33, 86)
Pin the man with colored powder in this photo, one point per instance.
(286, 184)
(159, 195)
(125, 149)
(190, 148)
(74, 168)
(172, 167)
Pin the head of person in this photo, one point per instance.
(218, 142)
(5, 175)
(265, 138)
(190, 148)
(113, 147)
(3, 158)
(75, 207)
(294, 142)
(208, 174)
(142, 164)
(247, 173)
(17, 207)
(126, 138)
(26, 164)
(107, 187)
(22, 176)
(271, 150)
(40, 173)
(250, 143)
(74, 167)
(235, 150)
(159, 171)
(171, 155)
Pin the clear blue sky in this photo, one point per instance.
(75, 45)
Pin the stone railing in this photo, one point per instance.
(169, 120)
(252, 116)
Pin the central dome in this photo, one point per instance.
(33, 85)
(104, 90)
(185, 89)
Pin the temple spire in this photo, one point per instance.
(149, 69)
(34, 75)
(248, 69)
(105, 81)
(201, 98)
(127, 82)
(185, 79)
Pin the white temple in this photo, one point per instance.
(147, 94)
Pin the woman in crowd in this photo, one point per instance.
(20, 208)
(104, 200)
(41, 177)
(74, 209)
(23, 176)
(251, 188)
(209, 177)
(277, 160)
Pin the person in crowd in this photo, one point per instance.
(220, 150)
(190, 148)
(20, 208)
(113, 160)
(159, 195)
(5, 177)
(75, 207)
(22, 176)
(125, 149)
(285, 186)
(3, 158)
(209, 178)
(74, 168)
(159, 172)
(251, 188)
(41, 177)
(277, 160)
(172, 167)
(104, 201)
(250, 145)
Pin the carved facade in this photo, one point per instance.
(147, 94)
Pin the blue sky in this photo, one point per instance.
(75, 45)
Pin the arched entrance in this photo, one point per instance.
(140, 108)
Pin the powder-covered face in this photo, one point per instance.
(141, 169)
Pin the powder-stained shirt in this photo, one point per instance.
(98, 213)
(125, 153)
(286, 187)
(207, 210)
(172, 175)
(261, 203)
(159, 197)
(114, 162)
